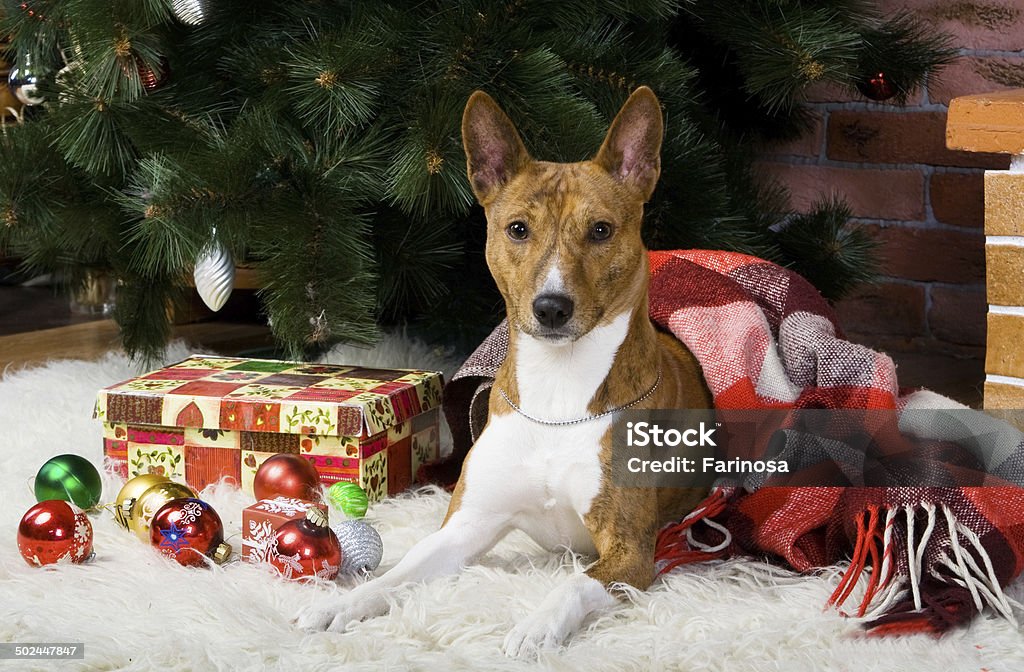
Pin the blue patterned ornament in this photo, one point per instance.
(348, 497)
(361, 547)
(173, 538)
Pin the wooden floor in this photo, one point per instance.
(90, 340)
(37, 325)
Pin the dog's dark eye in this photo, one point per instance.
(517, 230)
(601, 231)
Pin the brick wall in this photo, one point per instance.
(923, 202)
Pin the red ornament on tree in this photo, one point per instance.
(306, 548)
(189, 531)
(877, 86)
(151, 78)
(28, 8)
(287, 475)
(55, 531)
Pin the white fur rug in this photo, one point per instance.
(136, 611)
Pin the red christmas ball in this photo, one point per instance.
(152, 78)
(55, 530)
(877, 86)
(287, 475)
(306, 548)
(189, 531)
(29, 8)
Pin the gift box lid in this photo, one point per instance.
(284, 506)
(259, 395)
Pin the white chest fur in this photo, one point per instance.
(544, 478)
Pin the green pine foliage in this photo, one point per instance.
(319, 141)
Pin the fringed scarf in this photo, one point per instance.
(766, 339)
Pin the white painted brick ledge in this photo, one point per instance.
(1005, 380)
(1008, 241)
(1006, 310)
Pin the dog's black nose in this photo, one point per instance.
(552, 310)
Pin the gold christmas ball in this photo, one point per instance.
(130, 492)
(150, 501)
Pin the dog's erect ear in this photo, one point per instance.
(494, 152)
(632, 149)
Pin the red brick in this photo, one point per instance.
(954, 376)
(952, 370)
(871, 193)
(957, 314)
(808, 144)
(973, 24)
(884, 308)
(890, 137)
(931, 255)
(827, 92)
(958, 198)
(974, 74)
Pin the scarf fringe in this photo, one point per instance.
(676, 544)
(905, 593)
(959, 584)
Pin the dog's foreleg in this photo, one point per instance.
(465, 535)
(560, 614)
(624, 538)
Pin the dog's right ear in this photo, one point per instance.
(494, 151)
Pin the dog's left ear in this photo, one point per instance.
(631, 151)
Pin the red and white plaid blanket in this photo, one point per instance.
(931, 557)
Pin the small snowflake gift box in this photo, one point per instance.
(209, 418)
(261, 520)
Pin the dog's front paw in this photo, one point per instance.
(561, 614)
(316, 616)
(544, 629)
(335, 613)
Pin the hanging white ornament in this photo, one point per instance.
(190, 12)
(214, 275)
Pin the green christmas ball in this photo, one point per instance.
(71, 478)
(348, 497)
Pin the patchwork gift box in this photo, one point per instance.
(261, 521)
(208, 418)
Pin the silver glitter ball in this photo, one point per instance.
(361, 547)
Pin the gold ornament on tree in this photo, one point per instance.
(214, 274)
(69, 81)
(97, 295)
